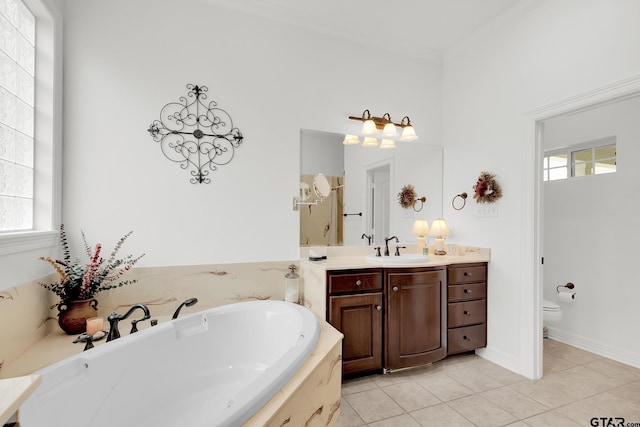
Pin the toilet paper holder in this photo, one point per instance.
(569, 285)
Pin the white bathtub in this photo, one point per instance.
(213, 368)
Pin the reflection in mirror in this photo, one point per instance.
(363, 185)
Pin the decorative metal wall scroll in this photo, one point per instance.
(197, 135)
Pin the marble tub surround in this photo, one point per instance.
(26, 318)
(312, 397)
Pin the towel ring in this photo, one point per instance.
(463, 197)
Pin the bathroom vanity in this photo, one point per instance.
(397, 316)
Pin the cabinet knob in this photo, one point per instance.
(358, 282)
(467, 291)
(395, 289)
(466, 273)
(466, 313)
(466, 338)
(378, 307)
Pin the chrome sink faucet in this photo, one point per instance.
(386, 244)
(114, 318)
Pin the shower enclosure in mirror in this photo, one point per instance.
(365, 183)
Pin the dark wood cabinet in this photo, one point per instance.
(416, 333)
(467, 307)
(355, 308)
(394, 318)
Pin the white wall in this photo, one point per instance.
(550, 50)
(125, 59)
(590, 232)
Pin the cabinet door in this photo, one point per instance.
(416, 331)
(359, 318)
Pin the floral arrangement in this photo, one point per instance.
(79, 280)
(487, 189)
(407, 196)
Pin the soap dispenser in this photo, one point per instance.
(292, 285)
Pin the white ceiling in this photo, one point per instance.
(420, 28)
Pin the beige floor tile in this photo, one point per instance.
(473, 379)
(373, 405)
(515, 403)
(443, 387)
(481, 412)
(584, 375)
(440, 416)
(348, 417)
(404, 420)
(392, 378)
(358, 385)
(554, 390)
(612, 404)
(553, 363)
(617, 370)
(551, 419)
(573, 354)
(518, 424)
(411, 396)
(630, 392)
(502, 375)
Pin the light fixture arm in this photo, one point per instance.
(381, 121)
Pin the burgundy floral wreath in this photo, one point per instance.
(407, 198)
(487, 189)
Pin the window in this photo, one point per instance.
(17, 82)
(590, 158)
(30, 124)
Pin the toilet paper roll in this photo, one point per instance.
(567, 296)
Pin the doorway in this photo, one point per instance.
(378, 201)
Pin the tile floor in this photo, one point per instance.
(469, 391)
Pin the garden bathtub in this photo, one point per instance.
(213, 368)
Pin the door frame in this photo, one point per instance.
(533, 254)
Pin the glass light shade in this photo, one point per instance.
(351, 140)
(369, 128)
(408, 134)
(438, 228)
(388, 143)
(369, 142)
(390, 131)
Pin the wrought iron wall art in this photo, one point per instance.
(196, 134)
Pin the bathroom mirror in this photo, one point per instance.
(321, 186)
(363, 186)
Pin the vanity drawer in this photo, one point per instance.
(467, 292)
(466, 313)
(355, 282)
(466, 339)
(468, 274)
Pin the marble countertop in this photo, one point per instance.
(358, 261)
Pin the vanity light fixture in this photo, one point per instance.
(371, 125)
(351, 140)
(439, 230)
(369, 142)
(387, 143)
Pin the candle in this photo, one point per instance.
(94, 324)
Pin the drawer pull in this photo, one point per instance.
(395, 289)
(358, 282)
(467, 274)
(467, 313)
(378, 307)
(467, 291)
(466, 338)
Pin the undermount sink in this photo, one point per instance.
(402, 259)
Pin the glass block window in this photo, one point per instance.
(590, 158)
(17, 82)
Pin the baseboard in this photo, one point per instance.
(501, 359)
(611, 352)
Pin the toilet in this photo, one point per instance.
(550, 311)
